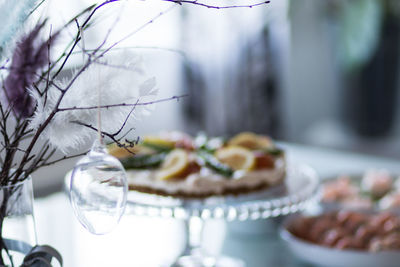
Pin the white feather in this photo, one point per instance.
(120, 79)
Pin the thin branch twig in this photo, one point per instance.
(198, 3)
(124, 104)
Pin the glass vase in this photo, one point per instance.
(17, 225)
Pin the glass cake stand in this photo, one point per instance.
(300, 187)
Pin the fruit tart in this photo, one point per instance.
(175, 164)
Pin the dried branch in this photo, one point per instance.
(11, 148)
(198, 3)
(126, 119)
(126, 144)
(36, 7)
(109, 135)
(48, 67)
(124, 104)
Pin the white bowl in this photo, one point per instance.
(325, 256)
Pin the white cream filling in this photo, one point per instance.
(207, 181)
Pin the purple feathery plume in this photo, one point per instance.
(30, 55)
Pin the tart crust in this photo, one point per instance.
(182, 194)
(207, 184)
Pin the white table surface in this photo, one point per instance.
(143, 241)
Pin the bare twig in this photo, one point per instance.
(199, 3)
(126, 119)
(109, 135)
(36, 7)
(124, 104)
(113, 136)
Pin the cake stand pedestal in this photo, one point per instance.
(300, 187)
(194, 256)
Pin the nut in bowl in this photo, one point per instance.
(344, 238)
(376, 189)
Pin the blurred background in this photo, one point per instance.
(319, 73)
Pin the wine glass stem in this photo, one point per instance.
(194, 231)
